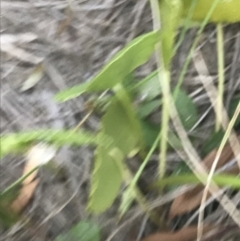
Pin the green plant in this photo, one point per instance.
(84, 231)
(124, 130)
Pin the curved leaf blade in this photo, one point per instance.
(133, 55)
(84, 231)
(106, 180)
(186, 109)
(125, 61)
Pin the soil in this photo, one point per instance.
(74, 44)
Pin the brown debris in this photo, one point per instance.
(190, 200)
(185, 234)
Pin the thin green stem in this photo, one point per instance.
(18, 182)
(220, 179)
(144, 163)
(164, 81)
(220, 51)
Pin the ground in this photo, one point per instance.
(73, 40)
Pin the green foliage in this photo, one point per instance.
(125, 61)
(7, 217)
(122, 133)
(17, 142)
(149, 88)
(83, 231)
(106, 179)
(150, 132)
(121, 125)
(225, 11)
(146, 108)
(186, 109)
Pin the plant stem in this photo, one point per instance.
(220, 51)
(18, 182)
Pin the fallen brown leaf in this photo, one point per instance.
(188, 201)
(37, 156)
(185, 234)
(24, 196)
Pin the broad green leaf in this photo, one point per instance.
(186, 109)
(149, 87)
(146, 108)
(106, 180)
(150, 132)
(72, 92)
(225, 11)
(121, 124)
(17, 142)
(125, 61)
(83, 231)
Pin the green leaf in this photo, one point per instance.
(146, 108)
(121, 125)
(83, 231)
(125, 61)
(149, 87)
(106, 179)
(186, 109)
(225, 11)
(72, 92)
(17, 142)
(150, 132)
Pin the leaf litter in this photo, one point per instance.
(191, 199)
